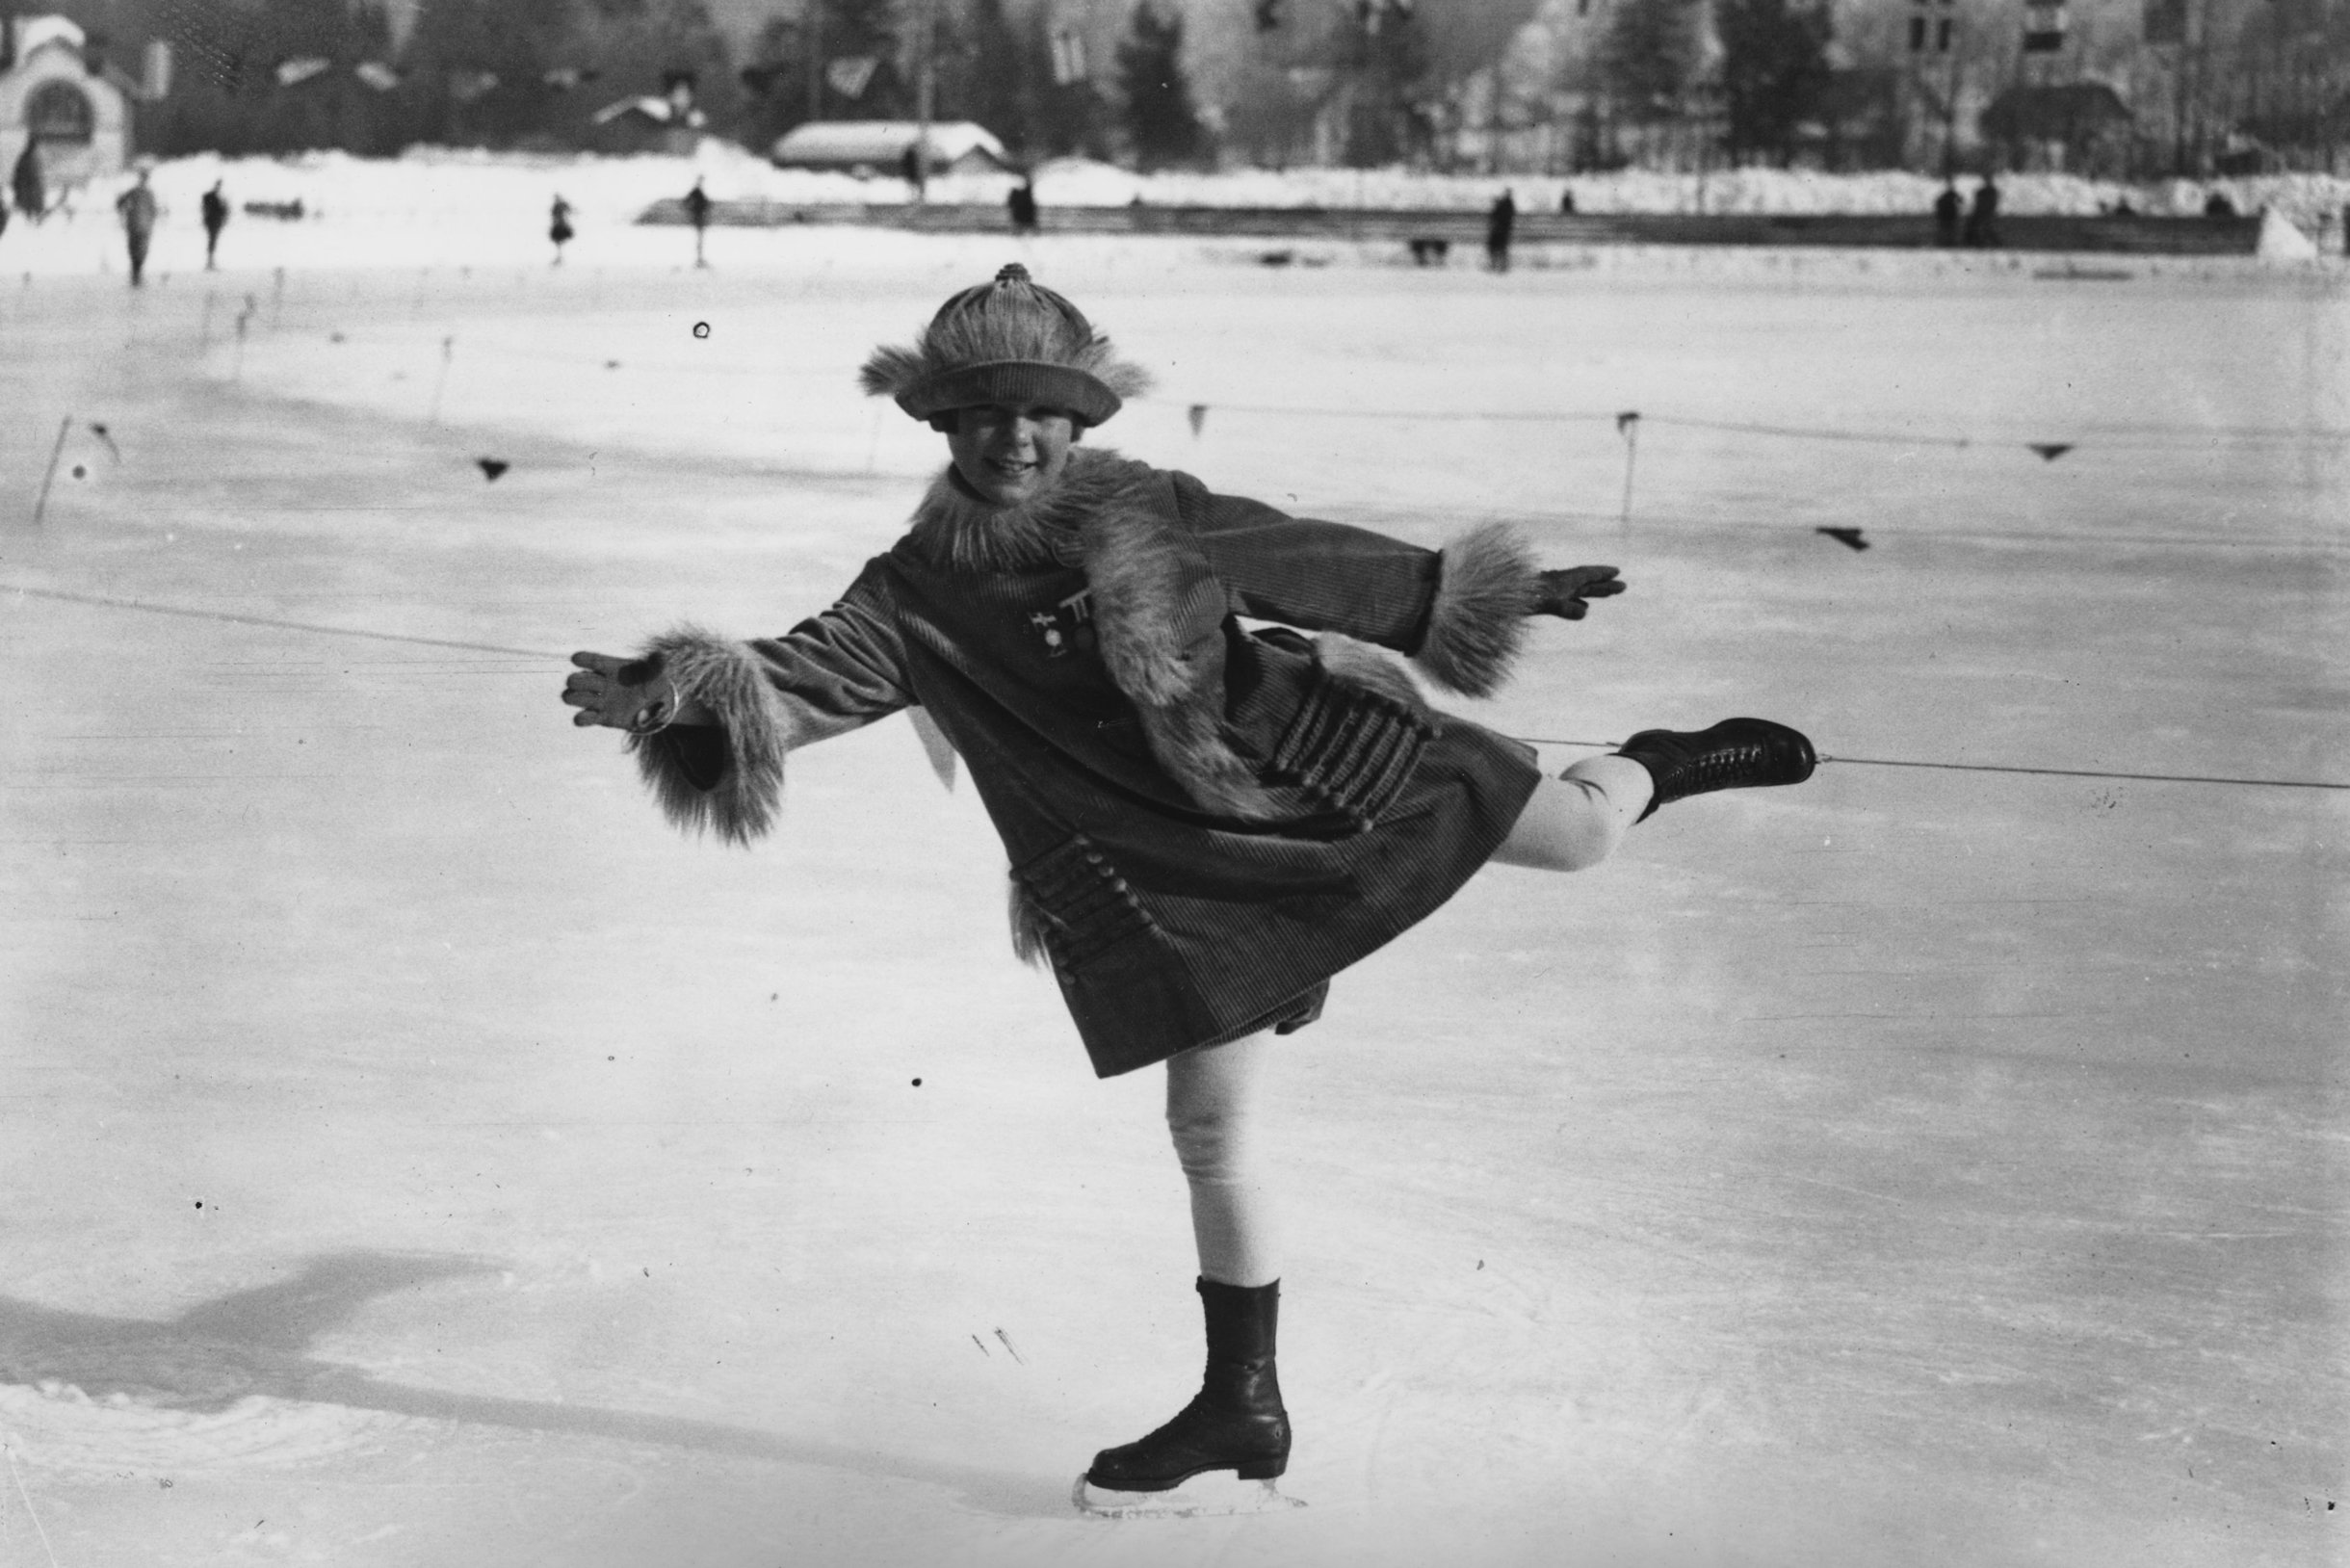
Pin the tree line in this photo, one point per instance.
(273, 77)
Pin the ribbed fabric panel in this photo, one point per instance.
(1087, 906)
(1012, 384)
(1352, 748)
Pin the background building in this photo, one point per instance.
(56, 92)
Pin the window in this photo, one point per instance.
(60, 112)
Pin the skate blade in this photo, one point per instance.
(1218, 1492)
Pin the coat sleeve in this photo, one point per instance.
(833, 672)
(1459, 611)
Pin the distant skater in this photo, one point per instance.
(1206, 820)
(558, 227)
(1500, 224)
(1949, 209)
(25, 182)
(216, 218)
(1566, 202)
(1983, 216)
(137, 206)
(1021, 203)
(215, 211)
(697, 210)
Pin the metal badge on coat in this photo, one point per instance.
(1067, 627)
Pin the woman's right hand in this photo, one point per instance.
(622, 694)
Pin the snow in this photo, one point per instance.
(418, 1155)
(444, 207)
(2280, 241)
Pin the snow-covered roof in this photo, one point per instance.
(660, 111)
(833, 143)
(39, 32)
(651, 108)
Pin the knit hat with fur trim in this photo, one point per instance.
(1011, 343)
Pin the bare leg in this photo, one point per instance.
(1576, 821)
(1213, 1096)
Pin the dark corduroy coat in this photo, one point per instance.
(1205, 822)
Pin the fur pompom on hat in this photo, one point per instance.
(1010, 342)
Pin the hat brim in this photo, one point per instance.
(1012, 384)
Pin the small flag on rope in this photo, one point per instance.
(2050, 450)
(1848, 536)
(1199, 417)
(1626, 420)
(492, 467)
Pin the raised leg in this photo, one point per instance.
(1576, 821)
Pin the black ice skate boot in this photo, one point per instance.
(1734, 754)
(1235, 1421)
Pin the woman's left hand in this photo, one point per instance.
(631, 695)
(1564, 590)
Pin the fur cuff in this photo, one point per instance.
(1489, 586)
(740, 805)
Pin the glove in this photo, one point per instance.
(1564, 590)
(631, 695)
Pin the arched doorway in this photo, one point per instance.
(61, 112)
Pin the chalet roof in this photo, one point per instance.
(838, 143)
(41, 32)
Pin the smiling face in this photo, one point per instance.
(1010, 455)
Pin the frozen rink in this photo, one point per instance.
(417, 1154)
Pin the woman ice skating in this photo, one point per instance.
(1204, 823)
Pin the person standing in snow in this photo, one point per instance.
(25, 182)
(558, 227)
(1500, 224)
(1948, 210)
(137, 208)
(697, 213)
(1205, 823)
(1983, 216)
(216, 218)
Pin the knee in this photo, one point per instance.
(1209, 1142)
(1570, 825)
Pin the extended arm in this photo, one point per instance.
(711, 720)
(1458, 611)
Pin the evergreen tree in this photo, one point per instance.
(998, 91)
(1774, 72)
(1066, 117)
(1649, 56)
(1161, 125)
(775, 82)
(1386, 53)
(476, 69)
(865, 29)
(635, 47)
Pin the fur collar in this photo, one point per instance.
(957, 529)
(1157, 607)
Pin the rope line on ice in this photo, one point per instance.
(104, 603)
(236, 619)
(2047, 451)
(2013, 768)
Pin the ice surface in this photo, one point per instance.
(418, 1155)
(1217, 1494)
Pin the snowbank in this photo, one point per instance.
(440, 206)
